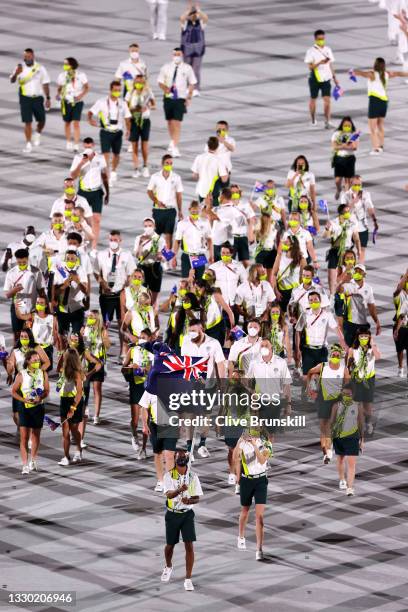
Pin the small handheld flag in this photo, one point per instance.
(352, 76)
(337, 92)
(375, 232)
(323, 206)
(312, 230)
(236, 332)
(51, 423)
(3, 355)
(259, 187)
(167, 254)
(199, 262)
(355, 136)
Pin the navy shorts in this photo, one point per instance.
(72, 112)
(315, 86)
(111, 141)
(253, 489)
(32, 107)
(180, 523)
(31, 417)
(140, 132)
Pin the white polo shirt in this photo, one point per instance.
(32, 78)
(272, 206)
(32, 282)
(249, 460)
(336, 228)
(357, 301)
(303, 182)
(151, 247)
(228, 277)
(229, 217)
(223, 153)
(108, 110)
(173, 480)
(193, 235)
(243, 351)
(134, 68)
(209, 167)
(240, 224)
(303, 237)
(300, 296)
(184, 78)
(165, 189)
(316, 326)
(314, 55)
(255, 298)
(209, 348)
(76, 296)
(125, 265)
(72, 87)
(90, 178)
(270, 376)
(59, 206)
(359, 208)
(48, 240)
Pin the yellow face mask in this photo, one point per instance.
(186, 305)
(40, 307)
(69, 191)
(115, 94)
(67, 213)
(285, 247)
(136, 282)
(315, 305)
(235, 196)
(226, 258)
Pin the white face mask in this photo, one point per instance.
(193, 335)
(264, 351)
(149, 230)
(134, 55)
(113, 245)
(177, 59)
(252, 331)
(29, 238)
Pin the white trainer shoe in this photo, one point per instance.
(159, 487)
(146, 172)
(349, 491)
(375, 152)
(232, 479)
(241, 543)
(25, 470)
(113, 176)
(76, 148)
(83, 444)
(136, 173)
(70, 145)
(77, 458)
(28, 147)
(165, 577)
(141, 454)
(36, 139)
(313, 123)
(96, 420)
(170, 148)
(176, 152)
(342, 485)
(64, 461)
(237, 489)
(203, 452)
(135, 444)
(259, 555)
(130, 148)
(188, 585)
(33, 466)
(400, 372)
(196, 92)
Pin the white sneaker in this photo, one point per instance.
(77, 458)
(25, 470)
(113, 176)
(83, 444)
(76, 148)
(196, 92)
(33, 466)
(188, 585)
(161, 37)
(370, 429)
(130, 148)
(69, 146)
(155, 36)
(159, 487)
(328, 456)
(237, 489)
(145, 172)
(36, 139)
(328, 125)
(135, 444)
(259, 555)
(313, 123)
(400, 372)
(141, 454)
(96, 420)
(241, 544)
(64, 461)
(350, 491)
(165, 577)
(176, 152)
(203, 452)
(375, 152)
(28, 147)
(232, 479)
(342, 485)
(136, 173)
(170, 148)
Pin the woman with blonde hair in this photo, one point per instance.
(287, 270)
(96, 341)
(71, 386)
(141, 317)
(265, 237)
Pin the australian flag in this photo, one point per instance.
(259, 187)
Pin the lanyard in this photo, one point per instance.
(314, 321)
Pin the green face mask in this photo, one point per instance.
(186, 305)
(346, 215)
(347, 128)
(321, 43)
(275, 316)
(349, 262)
(90, 321)
(67, 213)
(270, 192)
(226, 258)
(115, 94)
(356, 188)
(145, 308)
(66, 67)
(206, 277)
(69, 191)
(22, 267)
(24, 341)
(58, 226)
(363, 341)
(168, 167)
(263, 277)
(75, 219)
(136, 282)
(223, 133)
(315, 305)
(357, 276)
(303, 205)
(285, 247)
(347, 400)
(335, 360)
(306, 280)
(70, 264)
(139, 86)
(235, 196)
(40, 307)
(183, 291)
(35, 365)
(194, 217)
(293, 223)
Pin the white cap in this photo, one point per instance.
(360, 267)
